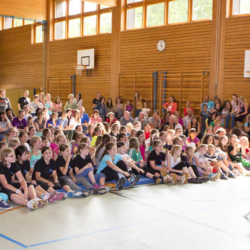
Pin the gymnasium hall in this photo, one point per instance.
(125, 124)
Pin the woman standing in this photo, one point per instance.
(138, 104)
(78, 100)
(71, 103)
(171, 105)
(102, 108)
(57, 106)
(48, 103)
(119, 108)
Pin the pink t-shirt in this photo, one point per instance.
(55, 148)
(195, 141)
(142, 150)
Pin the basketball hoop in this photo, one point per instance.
(79, 68)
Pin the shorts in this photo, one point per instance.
(7, 192)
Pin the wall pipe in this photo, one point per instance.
(164, 88)
(73, 82)
(155, 88)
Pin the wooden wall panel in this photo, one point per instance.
(63, 57)
(237, 41)
(21, 63)
(188, 49)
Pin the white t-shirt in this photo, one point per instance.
(146, 112)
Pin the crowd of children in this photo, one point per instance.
(47, 148)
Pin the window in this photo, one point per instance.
(18, 22)
(106, 23)
(60, 8)
(60, 30)
(39, 34)
(88, 6)
(75, 7)
(202, 9)
(134, 18)
(241, 7)
(26, 22)
(134, 1)
(76, 18)
(178, 11)
(149, 13)
(74, 27)
(89, 27)
(155, 14)
(7, 22)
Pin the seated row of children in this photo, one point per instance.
(32, 171)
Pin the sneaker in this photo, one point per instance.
(194, 181)
(60, 196)
(103, 190)
(121, 182)
(212, 177)
(184, 178)
(174, 179)
(95, 191)
(134, 180)
(85, 193)
(50, 196)
(203, 179)
(217, 176)
(158, 181)
(223, 177)
(32, 205)
(70, 194)
(77, 194)
(165, 180)
(41, 202)
(96, 186)
(231, 175)
(4, 205)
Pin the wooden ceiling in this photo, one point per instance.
(35, 9)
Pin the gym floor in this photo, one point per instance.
(206, 216)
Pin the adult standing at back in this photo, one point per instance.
(78, 100)
(4, 101)
(138, 104)
(71, 103)
(96, 100)
(24, 100)
(171, 105)
(210, 104)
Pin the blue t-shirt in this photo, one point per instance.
(84, 118)
(210, 105)
(106, 158)
(63, 122)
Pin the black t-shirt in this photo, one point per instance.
(23, 101)
(24, 167)
(168, 147)
(96, 101)
(79, 162)
(60, 162)
(158, 159)
(45, 170)
(8, 172)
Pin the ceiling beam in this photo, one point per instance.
(111, 3)
(31, 9)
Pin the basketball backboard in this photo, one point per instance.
(86, 57)
(247, 64)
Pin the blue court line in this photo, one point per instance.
(129, 225)
(97, 232)
(13, 241)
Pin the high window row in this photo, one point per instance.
(75, 18)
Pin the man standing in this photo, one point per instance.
(126, 119)
(96, 100)
(4, 101)
(24, 100)
(209, 104)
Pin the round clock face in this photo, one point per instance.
(161, 45)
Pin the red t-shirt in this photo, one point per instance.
(147, 134)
